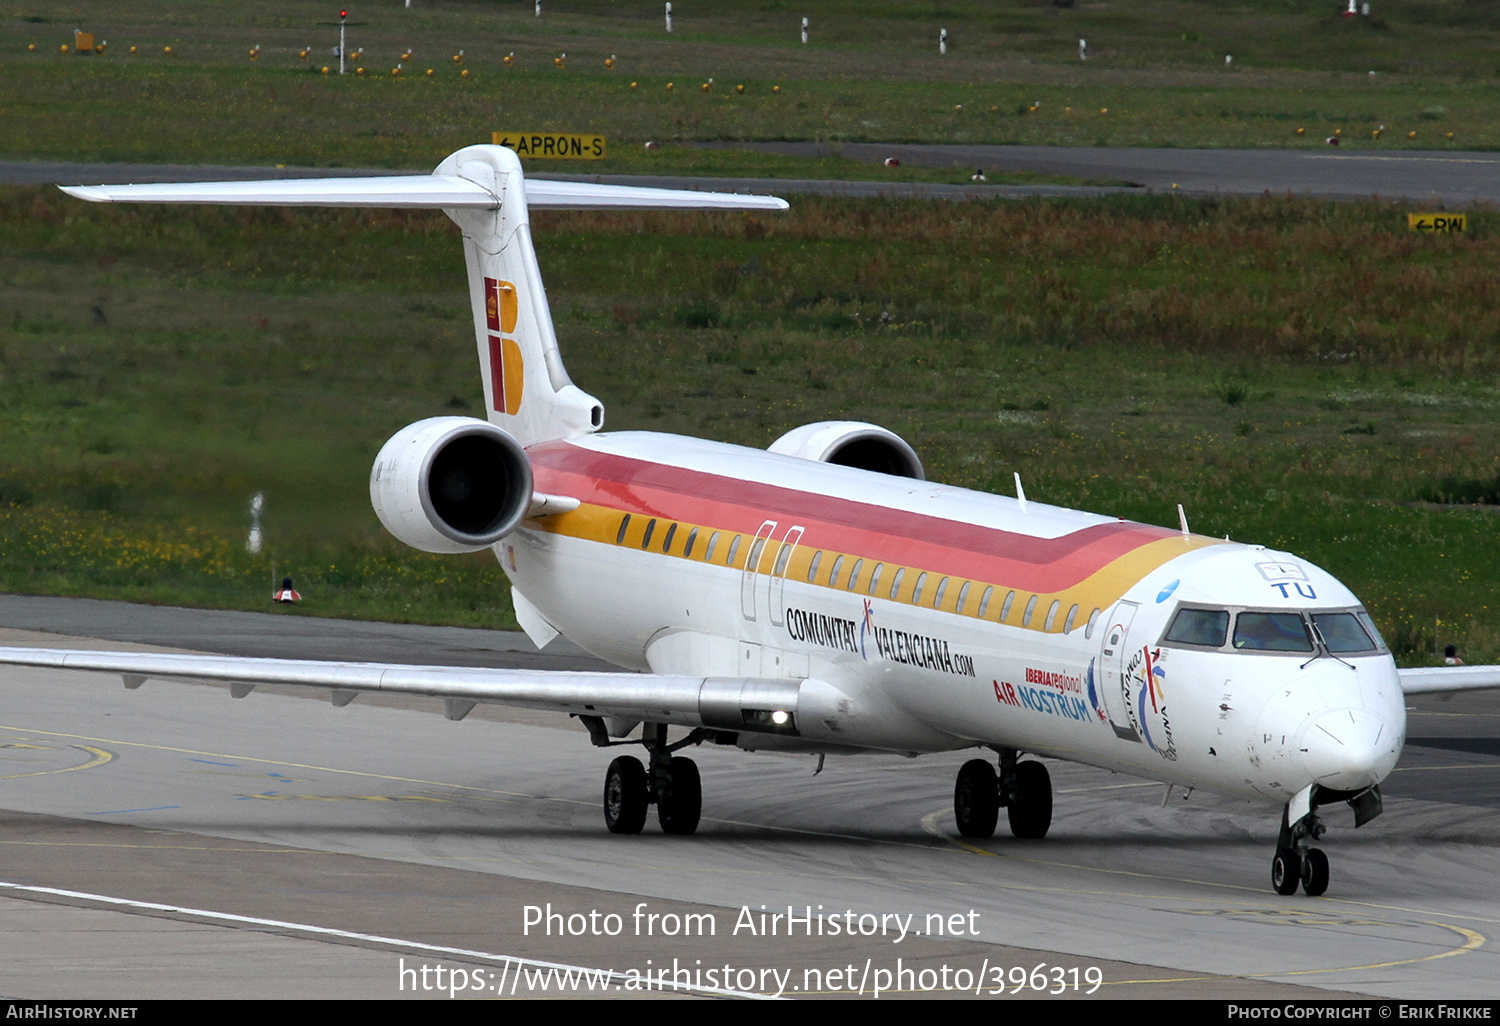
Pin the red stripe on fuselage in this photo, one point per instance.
(873, 532)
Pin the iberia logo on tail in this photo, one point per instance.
(501, 310)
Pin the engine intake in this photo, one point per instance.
(451, 484)
(852, 443)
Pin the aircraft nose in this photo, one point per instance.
(1350, 749)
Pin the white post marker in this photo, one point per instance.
(253, 542)
(943, 41)
(1083, 49)
(669, 17)
(804, 31)
(538, 8)
(343, 16)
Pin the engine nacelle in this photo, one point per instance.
(451, 484)
(851, 443)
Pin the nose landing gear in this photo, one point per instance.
(1023, 789)
(1296, 862)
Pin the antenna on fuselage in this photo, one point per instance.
(1182, 520)
(1020, 492)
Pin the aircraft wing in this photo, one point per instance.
(724, 703)
(1430, 680)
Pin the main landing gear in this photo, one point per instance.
(1023, 789)
(672, 784)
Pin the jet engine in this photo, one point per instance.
(451, 484)
(851, 443)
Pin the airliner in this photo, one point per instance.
(822, 596)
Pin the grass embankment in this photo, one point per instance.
(1155, 75)
(1297, 373)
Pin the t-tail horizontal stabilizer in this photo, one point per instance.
(482, 189)
(417, 192)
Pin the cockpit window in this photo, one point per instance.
(1364, 618)
(1342, 633)
(1199, 627)
(1271, 632)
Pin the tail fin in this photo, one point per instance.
(527, 389)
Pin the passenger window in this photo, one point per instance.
(937, 600)
(624, 526)
(1030, 608)
(753, 563)
(1010, 597)
(1200, 627)
(666, 543)
(833, 575)
(895, 582)
(916, 594)
(1088, 632)
(713, 543)
(782, 557)
(812, 568)
(1072, 615)
(687, 550)
(984, 600)
(963, 595)
(646, 538)
(875, 578)
(859, 565)
(1342, 633)
(1051, 615)
(734, 550)
(1271, 632)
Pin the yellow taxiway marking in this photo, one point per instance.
(1472, 939)
(1472, 942)
(294, 765)
(98, 757)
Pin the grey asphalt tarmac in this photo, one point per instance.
(1438, 177)
(398, 829)
(172, 842)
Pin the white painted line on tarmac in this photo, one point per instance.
(605, 979)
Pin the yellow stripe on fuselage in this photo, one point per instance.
(1097, 591)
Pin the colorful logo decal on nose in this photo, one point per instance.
(1166, 592)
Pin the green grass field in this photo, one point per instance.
(1304, 374)
(1300, 373)
(1155, 75)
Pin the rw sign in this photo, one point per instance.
(1437, 222)
(552, 144)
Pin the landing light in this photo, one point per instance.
(780, 717)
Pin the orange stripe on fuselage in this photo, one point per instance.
(945, 547)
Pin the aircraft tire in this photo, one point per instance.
(625, 796)
(1314, 872)
(1286, 871)
(1030, 809)
(976, 799)
(679, 810)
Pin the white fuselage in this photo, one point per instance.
(971, 619)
